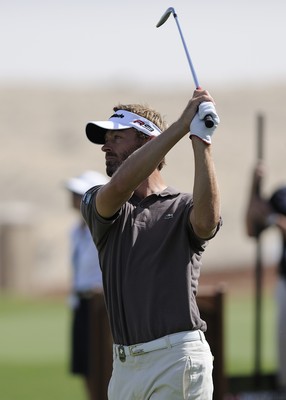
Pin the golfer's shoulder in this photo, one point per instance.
(89, 195)
(182, 199)
(185, 197)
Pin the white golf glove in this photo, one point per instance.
(198, 127)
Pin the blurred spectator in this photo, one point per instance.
(91, 343)
(262, 213)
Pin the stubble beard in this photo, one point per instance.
(113, 165)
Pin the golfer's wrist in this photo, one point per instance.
(196, 138)
(182, 126)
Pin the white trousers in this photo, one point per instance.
(182, 371)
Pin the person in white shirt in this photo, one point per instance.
(90, 327)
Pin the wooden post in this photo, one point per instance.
(17, 247)
(258, 268)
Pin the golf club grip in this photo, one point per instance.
(209, 122)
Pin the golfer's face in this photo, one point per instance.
(119, 144)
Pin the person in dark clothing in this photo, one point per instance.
(264, 212)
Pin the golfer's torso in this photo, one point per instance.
(151, 264)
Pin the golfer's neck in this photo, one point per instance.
(153, 184)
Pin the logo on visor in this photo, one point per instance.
(117, 116)
(141, 123)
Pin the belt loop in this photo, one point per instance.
(201, 335)
(115, 353)
(168, 342)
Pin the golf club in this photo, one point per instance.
(209, 122)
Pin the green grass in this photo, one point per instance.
(240, 335)
(34, 351)
(34, 346)
(38, 381)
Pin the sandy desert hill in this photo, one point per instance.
(43, 143)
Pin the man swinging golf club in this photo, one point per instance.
(150, 239)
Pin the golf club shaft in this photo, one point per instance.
(209, 122)
(187, 54)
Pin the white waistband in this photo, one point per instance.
(157, 344)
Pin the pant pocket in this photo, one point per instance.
(187, 378)
(197, 379)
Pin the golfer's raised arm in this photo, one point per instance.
(138, 167)
(205, 214)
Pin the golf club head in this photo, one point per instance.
(165, 16)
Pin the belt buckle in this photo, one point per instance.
(135, 352)
(121, 352)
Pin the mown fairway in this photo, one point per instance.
(34, 346)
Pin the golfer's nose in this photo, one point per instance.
(106, 147)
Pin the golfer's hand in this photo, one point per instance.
(198, 127)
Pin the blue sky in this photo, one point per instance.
(84, 41)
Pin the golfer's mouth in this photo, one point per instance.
(109, 158)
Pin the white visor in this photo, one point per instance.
(121, 119)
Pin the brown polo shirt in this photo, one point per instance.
(150, 260)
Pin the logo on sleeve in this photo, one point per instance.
(168, 216)
(86, 198)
